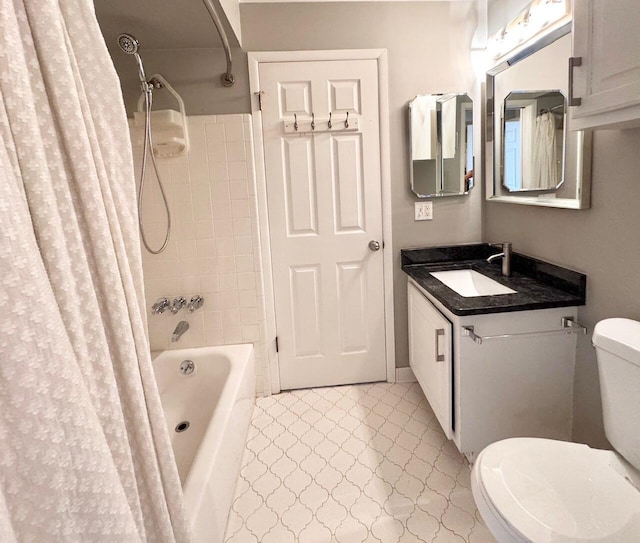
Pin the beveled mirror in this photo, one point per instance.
(537, 159)
(441, 145)
(533, 140)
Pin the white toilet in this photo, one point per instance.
(544, 491)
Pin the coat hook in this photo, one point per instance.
(346, 121)
(313, 121)
(295, 123)
(329, 123)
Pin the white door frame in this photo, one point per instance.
(272, 384)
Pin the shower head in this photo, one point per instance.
(128, 44)
(131, 45)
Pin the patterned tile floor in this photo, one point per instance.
(351, 464)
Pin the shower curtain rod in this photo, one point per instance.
(226, 78)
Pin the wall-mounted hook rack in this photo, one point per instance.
(321, 124)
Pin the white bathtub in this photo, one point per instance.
(217, 400)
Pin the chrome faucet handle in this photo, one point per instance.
(161, 305)
(178, 303)
(195, 303)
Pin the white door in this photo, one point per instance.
(512, 155)
(324, 201)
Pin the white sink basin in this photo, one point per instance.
(470, 283)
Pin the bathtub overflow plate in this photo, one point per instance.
(182, 426)
(187, 367)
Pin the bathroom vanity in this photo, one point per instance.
(493, 366)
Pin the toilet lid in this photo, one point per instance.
(554, 491)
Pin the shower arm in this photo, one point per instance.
(226, 78)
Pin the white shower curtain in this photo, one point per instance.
(527, 138)
(544, 160)
(84, 451)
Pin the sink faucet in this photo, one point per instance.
(182, 327)
(506, 258)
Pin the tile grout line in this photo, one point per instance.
(345, 413)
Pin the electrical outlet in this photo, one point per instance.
(423, 211)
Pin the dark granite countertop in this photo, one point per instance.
(538, 284)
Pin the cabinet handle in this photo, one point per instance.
(573, 62)
(439, 357)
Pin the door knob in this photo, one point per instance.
(374, 245)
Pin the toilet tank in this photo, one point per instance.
(617, 343)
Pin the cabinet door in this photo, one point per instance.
(430, 355)
(605, 35)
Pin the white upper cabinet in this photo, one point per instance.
(606, 39)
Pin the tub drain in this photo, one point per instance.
(187, 367)
(184, 425)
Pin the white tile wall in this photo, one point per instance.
(214, 244)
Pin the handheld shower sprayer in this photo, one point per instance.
(130, 45)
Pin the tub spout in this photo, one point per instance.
(182, 327)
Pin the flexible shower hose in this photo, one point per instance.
(148, 148)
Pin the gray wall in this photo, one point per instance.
(428, 52)
(601, 242)
(502, 11)
(194, 73)
(182, 44)
(428, 47)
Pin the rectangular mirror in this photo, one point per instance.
(537, 160)
(441, 145)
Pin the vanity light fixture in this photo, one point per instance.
(540, 17)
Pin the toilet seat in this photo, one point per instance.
(546, 491)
